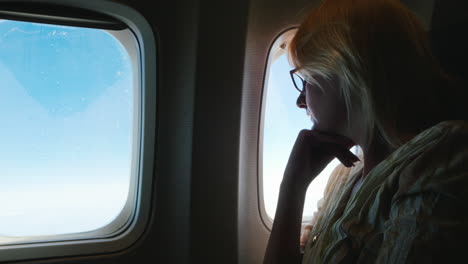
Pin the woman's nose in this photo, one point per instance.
(301, 102)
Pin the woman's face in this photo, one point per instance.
(327, 108)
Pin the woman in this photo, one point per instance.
(369, 79)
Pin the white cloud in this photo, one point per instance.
(57, 33)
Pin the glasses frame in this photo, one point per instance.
(292, 73)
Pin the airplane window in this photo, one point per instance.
(68, 115)
(282, 122)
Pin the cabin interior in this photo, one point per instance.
(203, 68)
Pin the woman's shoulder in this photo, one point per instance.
(453, 126)
(439, 161)
(430, 139)
(445, 141)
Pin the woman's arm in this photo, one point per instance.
(283, 245)
(311, 153)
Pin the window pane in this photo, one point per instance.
(282, 122)
(67, 115)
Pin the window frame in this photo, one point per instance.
(278, 47)
(138, 204)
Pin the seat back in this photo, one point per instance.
(448, 34)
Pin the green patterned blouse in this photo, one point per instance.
(411, 208)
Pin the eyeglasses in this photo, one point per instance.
(299, 82)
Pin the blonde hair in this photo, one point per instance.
(380, 52)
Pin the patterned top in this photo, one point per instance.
(411, 208)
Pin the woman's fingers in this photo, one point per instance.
(336, 145)
(333, 138)
(311, 153)
(345, 156)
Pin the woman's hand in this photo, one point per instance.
(311, 153)
(305, 236)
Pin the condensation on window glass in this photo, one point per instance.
(283, 121)
(67, 136)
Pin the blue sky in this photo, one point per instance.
(66, 106)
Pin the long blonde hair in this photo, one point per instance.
(381, 53)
